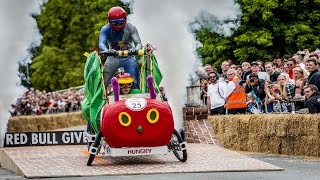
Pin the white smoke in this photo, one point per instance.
(18, 31)
(166, 25)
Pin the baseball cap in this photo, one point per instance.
(253, 75)
(254, 63)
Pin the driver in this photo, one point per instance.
(126, 82)
(119, 35)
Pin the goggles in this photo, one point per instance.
(117, 22)
(126, 85)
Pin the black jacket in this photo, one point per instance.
(313, 103)
(258, 89)
(274, 76)
(314, 78)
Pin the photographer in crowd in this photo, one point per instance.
(255, 86)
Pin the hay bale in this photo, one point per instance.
(307, 146)
(44, 122)
(291, 134)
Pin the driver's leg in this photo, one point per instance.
(110, 68)
(130, 66)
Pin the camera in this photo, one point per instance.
(251, 80)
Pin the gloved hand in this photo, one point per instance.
(109, 52)
(112, 52)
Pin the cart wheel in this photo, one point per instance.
(91, 132)
(95, 144)
(179, 153)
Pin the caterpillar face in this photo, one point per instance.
(137, 122)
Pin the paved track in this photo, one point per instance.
(66, 161)
(295, 169)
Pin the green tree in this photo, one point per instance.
(269, 29)
(69, 28)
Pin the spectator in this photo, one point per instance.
(230, 61)
(252, 104)
(246, 70)
(313, 99)
(270, 69)
(314, 77)
(285, 58)
(239, 71)
(275, 99)
(233, 66)
(208, 68)
(299, 60)
(300, 77)
(224, 68)
(315, 55)
(216, 93)
(291, 65)
(256, 87)
(285, 68)
(235, 94)
(203, 89)
(256, 69)
(300, 80)
(278, 62)
(261, 66)
(268, 99)
(287, 90)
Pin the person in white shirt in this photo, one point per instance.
(299, 60)
(216, 95)
(255, 69)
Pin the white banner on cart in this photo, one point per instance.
(139, 151)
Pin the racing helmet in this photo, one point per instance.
(117, 17)
(124, 78)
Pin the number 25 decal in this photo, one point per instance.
(136, 104)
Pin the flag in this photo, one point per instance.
(149, 66)
(94, 91)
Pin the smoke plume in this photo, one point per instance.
(18, 31)
(167, 25)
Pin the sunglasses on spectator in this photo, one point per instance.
(211, 77)
(290, 64)
(126, 85)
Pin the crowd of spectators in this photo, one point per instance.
(36, 102)
(281, 85)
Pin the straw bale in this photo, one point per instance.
(307, 146)
(44, 122)
(255, 142)
(291, 134)
(61, 118)
(13, 124)
(274, 144)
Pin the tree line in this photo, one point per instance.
(268, 29)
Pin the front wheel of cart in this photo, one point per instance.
(178, 146)
(94, 149)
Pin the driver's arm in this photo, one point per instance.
(103, 38)
(136, 38)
